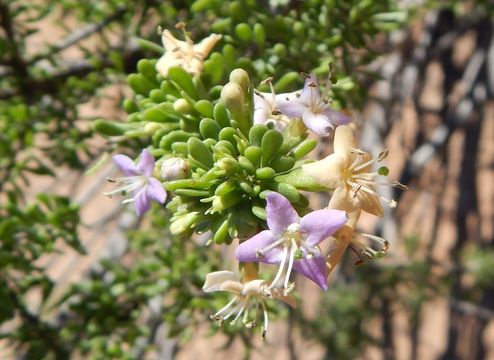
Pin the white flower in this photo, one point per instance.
(184, 54)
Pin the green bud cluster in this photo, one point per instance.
(234, 164)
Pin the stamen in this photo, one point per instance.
(384, 243)
(362, 166)
(382, 155)
(266, 320)
(280, 269)
(399, 185)
(360, 261)
(262, 251)
(293, 249)
(224, 307)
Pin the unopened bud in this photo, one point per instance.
(174, 168)
(240, 77)
(232, 96)
(151, 127)
(182, 106)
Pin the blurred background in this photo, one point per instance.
(82, 277)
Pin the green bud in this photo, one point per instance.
(221, 233)
(200, 152)
(201, 5)
(246, 165)
(259, 211)
(240, 77)
(232, 96)
(228, 134)
(110, 128)
(304, 148)
(221, 203)
(157, 95)
(147, 68)
(182, 106)
(288, 191)
(246, 187)
(286, 81)
(270, 144)
(141, 84)
(243, 32)
(209, 128)
(130, 106)
(253, 153)
(282, 163)
(259, 35)
(192, 192)
(226, 187)
(175, 136)
(222, 144)
(265, 173)
(184, 223)
(213, 66)
(205, 108)
(183, 80)
(152, 127)
(228, 164)
(256, 133)
(155, 114)
(180, 148)
(301, 180)
(220, 114)
(280, 50)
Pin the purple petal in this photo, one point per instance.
(318, 225)
(247, 251)
(318, 123)
(155, 191)
(279, 213)
(142, 202)
(146, 163)
(336, 117)
(313, 269)
(125, 164)
(310, 92)
(260, 116)
(292, 108)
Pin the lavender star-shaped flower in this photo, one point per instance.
(314, 111)
(292, 241)
(138, 180)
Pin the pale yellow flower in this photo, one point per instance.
(184, 54)
(348, 171)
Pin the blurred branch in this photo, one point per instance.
(79, 35)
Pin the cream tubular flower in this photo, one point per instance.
(247, 295)
(348, 171)
(184, 54)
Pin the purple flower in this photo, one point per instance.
(292, 241)
(314, 111)
(139, 181)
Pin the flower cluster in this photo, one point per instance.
(234, 165)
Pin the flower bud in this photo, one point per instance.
(174, 168)
(232, 96)
(241, 77)
(151, 127)
(182, 106)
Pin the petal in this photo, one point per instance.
(146, 163)
(253, 287)
(260, 116)
(279, 213)
(344, 140)
(170, 42)
(343, 199)
(206, 45)
(370, 203)
(215, 279)
(310, 92)
(319, 225)
(141, 202)
(125, 164)
(155, 191)
(247, 251)
(328, 171)
(232, 286)
(336, 117)
(292, 108)
(318, 123)
(313, 269)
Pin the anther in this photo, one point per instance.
(383, 155)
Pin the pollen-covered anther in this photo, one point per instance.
(382, 155)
